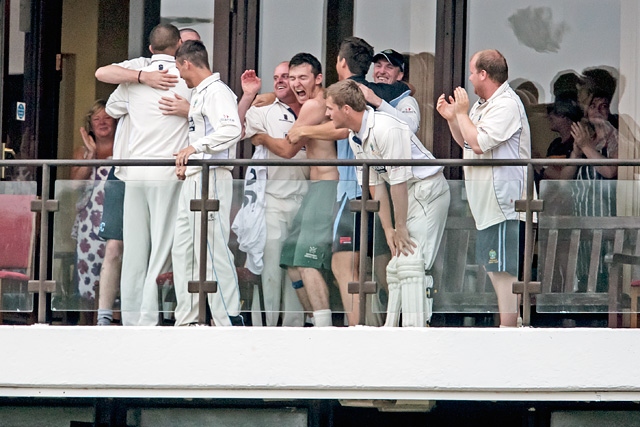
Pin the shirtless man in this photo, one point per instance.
(353, 62)
(307, 251)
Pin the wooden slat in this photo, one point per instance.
(594, 263)
(465, 302)
(549, 261)
(576, 302)
(588, 223)
(618, 243)
(481, 276)
(572, 262)
(456, 274)
(438, 263)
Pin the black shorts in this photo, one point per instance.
(111, 225)
(346, 231)
(501, 247)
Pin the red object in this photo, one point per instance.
(16, 232)
(165, 277)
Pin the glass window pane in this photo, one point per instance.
(195, 14)
(409, 27)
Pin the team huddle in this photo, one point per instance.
(296, 228)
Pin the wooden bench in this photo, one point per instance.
(580, 263)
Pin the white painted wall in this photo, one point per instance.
(288, 27)
(196, 14)
(403, 25)
(592, 37)
(506, 364)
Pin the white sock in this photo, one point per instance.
(323, 318)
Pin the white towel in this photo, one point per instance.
(250, 224)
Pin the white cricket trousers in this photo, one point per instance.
(220, 261)
(426, 218)
(150, 210)
(276, 285)
(427, 215)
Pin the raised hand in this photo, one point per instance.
(581, 136)
(250, 82)
(89, 144)
(462, 100)
(447, 109)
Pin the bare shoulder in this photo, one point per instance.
(313, 112)
(314, 104)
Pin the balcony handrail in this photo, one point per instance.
(46, 206)
(327, 162)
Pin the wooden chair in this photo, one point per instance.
(17, 242)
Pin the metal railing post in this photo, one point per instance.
(202, 287)
(526, 288)
(363, 287)
(44, 206)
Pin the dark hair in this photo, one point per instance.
(164, 37)
(565, 85)
(600, 83)
(358, 53)
(194, 52)
(564, 107)
(306, 58)
(347, 92)
(494, 63)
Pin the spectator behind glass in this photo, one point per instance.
(565, 85)
(561, 115)
(595, 92)
(97, 137)
(598, 83)
(595, 138)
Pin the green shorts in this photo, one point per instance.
(309, 241)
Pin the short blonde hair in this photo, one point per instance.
(347, 92)
(97, 106)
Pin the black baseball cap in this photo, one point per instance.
(394, 58)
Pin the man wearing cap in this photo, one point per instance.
(388, 67)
